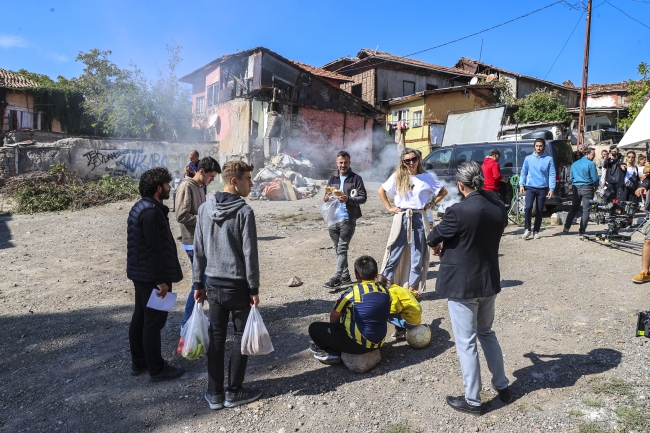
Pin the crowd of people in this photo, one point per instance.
(219, 236)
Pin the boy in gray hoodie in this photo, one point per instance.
(225, 254)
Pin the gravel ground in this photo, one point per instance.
(565, 319)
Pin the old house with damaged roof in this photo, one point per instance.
(378, 76)
(521, 85)
(256, 104)
(17, 109)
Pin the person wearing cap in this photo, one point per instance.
(492, 173)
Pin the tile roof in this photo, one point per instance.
(366, 54)
(611, 87)
(470, 62)
(322, 72)
(14, 81)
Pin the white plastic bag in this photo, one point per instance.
(256, 339)
(194, 339)
(329, 210)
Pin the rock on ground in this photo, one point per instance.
(361, 363)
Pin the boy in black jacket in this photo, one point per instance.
(151, 262)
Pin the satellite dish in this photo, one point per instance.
(473, 81)
(491, 78)
(212, 120)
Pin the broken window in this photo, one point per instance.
(356, 90)
(408, 88)
(417, 118)
(200, 105)
(431, 87)
(213, 94)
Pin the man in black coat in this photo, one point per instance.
(467, 241)
(151, 263)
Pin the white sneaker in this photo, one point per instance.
(536, 235)
(527, 234)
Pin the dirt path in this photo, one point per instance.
(565, 319)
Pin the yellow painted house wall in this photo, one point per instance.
(418, 137)
(437, 105)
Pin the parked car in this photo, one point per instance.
(443, 162)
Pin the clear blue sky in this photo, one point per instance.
(45, 36)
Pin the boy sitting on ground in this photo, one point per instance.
(405, 310)
(364, 309)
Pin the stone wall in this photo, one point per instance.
(7, 163)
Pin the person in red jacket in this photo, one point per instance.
(492, 173)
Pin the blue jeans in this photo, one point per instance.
(534, 196)
(417, 246)
(189, 305)
(397, 320)
(472, 318)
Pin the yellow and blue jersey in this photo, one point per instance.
(365, 308)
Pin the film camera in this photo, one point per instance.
(617, 215)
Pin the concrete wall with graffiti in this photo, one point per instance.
(96, 157)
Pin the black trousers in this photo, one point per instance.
(224, 302)
(144, 332)
(334, 337)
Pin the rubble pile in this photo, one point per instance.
(284, 181)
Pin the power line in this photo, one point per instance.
(468, 36)
(624, 13)
(564, 46)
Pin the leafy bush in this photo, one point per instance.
(60, 189)
(542, 106)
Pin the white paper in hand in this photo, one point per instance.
(163, 304)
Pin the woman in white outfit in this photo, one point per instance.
(414, 189)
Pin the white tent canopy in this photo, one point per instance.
(639, 132)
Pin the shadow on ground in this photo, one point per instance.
(5, 233)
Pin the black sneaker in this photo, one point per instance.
(314, 348)
(169, 372)
(505, 395)
(137, 371)
(332, 283)
(346, 280)
(214, 401)
(242, 396)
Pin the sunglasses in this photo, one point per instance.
(410, 160)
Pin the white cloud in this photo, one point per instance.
(12, 41)
(57, 57)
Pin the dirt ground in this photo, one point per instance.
(565, 319)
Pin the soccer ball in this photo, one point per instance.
(418, 337)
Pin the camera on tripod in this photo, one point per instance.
(618, 215)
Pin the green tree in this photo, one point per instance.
(124, 103)
(542, 106)
(638, 91)
(503, 91)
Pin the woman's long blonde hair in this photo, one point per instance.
(402, 176)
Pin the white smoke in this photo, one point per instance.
(453, 196)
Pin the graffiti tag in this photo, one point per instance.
(96, 158)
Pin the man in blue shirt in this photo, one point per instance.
(354, 194)
(584, 177)
(537, 180)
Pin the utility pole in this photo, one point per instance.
(585, 77)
